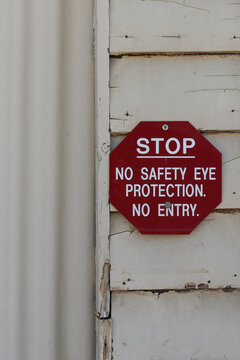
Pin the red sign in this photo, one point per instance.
(165, 177)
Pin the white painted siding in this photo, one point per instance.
(204, 90)
(200, 325)
(169, 60)
(46, 180)
(208, 257)
(174, 26)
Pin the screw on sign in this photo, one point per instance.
(165, 177)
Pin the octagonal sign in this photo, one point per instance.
(165, 177)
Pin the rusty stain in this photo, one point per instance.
(190, 286)
(226, 211)
(228, 288)
(218, 132)
(158, 293)
(106, 348)
(106, 333)
(203, 286)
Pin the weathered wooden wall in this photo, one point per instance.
(148, 26)
(177, 326)
(201, 89)
(207, 258)
(172, 296)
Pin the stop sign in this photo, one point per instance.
(165, 177)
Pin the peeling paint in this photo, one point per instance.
(190, 286)
(104, 343)
(105, 147)
(104, 290)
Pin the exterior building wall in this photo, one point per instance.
(46, 180)
(169, 297)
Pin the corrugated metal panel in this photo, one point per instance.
(46, 180)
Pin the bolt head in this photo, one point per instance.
(168, 204)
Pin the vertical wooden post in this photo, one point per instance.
(101, 50)
(104, 339)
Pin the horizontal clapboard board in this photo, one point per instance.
(176, 326)
(208, 257)
(229, 145)
(148, 26)
(204, 90)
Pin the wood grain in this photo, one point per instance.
(208, 257)
(204, 90)
(176, 326)
(147, 26)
